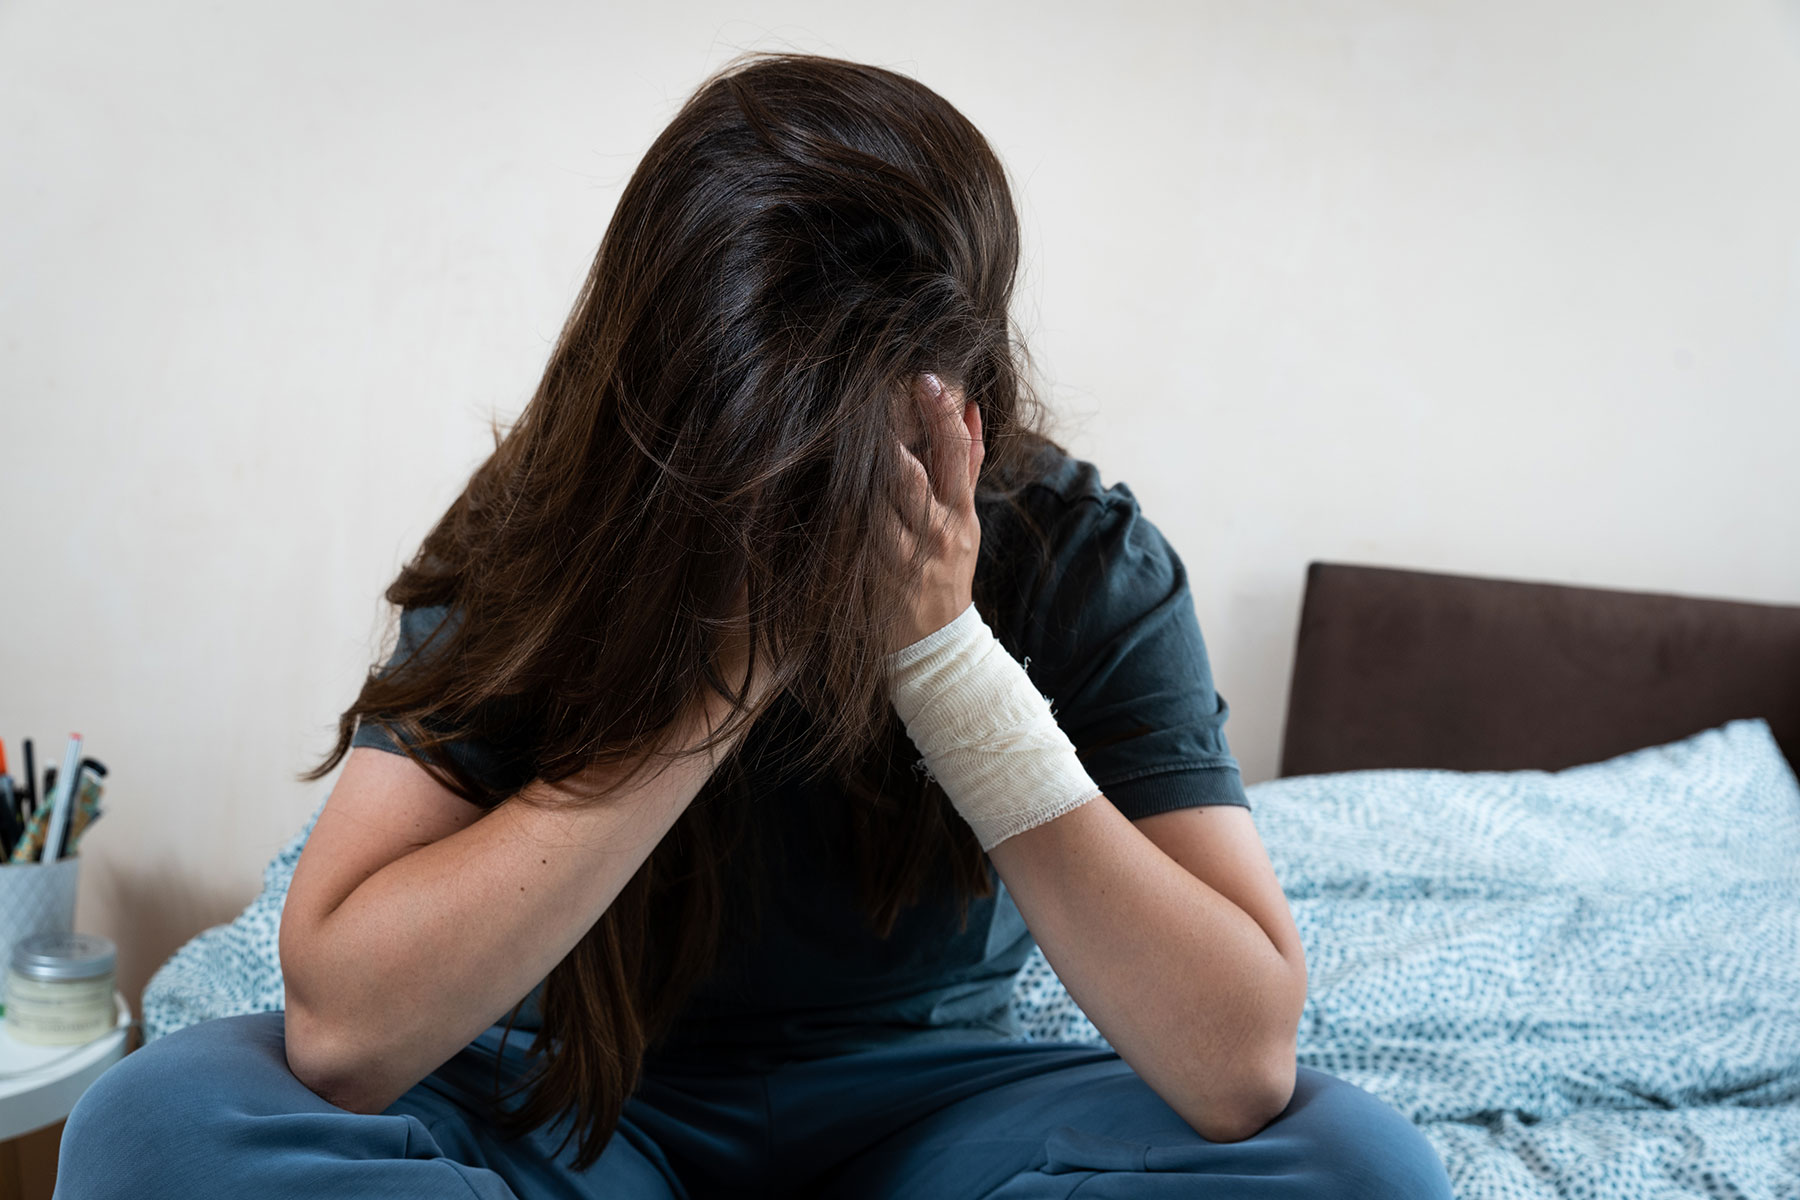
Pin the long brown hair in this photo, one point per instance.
(805, 237)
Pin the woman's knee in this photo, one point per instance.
(175, 1091)
(1363, 1146)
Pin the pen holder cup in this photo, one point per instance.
(36, 897)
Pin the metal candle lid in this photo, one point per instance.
(63, 956)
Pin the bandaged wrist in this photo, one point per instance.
(986, 733)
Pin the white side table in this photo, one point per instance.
(39, 1085)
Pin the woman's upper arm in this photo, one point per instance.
(384, 804)
(383, 807)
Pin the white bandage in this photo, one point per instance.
(985, 731)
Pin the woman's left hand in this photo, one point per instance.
(938, 506)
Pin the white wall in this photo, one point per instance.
(1504, 289)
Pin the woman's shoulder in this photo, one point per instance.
(1071, 480)
(1070, 521)
(1058, 479)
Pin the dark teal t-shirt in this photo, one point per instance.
(1108, 631)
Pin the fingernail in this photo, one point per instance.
(933, 385)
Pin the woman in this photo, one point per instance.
(764, 696)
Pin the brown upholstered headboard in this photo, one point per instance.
(1398, 668)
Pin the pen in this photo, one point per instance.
(10, 828)
(87, 802)
(75, 838)
(9, 819)
(98, 767)
(84, 810)
(32, 840)
(30, 795)
(60, 803)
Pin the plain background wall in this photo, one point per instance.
(1508, 290)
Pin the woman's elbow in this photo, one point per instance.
(1264, 1095)
(1273, 1100)
(1249, 1118)
(318, 1059)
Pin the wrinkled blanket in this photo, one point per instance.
(1578, 983)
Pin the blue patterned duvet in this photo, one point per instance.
(1583, 983)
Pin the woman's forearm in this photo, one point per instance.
(438, 944)
(1187, 987)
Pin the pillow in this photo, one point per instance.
(1719, 804)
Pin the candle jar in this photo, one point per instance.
(59, 989)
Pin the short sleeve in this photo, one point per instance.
(1112, 639)
(494, 766)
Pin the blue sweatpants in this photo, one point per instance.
(212, 1110)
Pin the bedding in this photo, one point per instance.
(1578, 983)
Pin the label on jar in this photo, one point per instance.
(58, 1012)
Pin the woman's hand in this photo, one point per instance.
(938, 505)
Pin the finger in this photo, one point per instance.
(961, 446)
(942, 413)
(905, 542)
(916, 497)
(977, 448)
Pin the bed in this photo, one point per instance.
(1542, 844)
